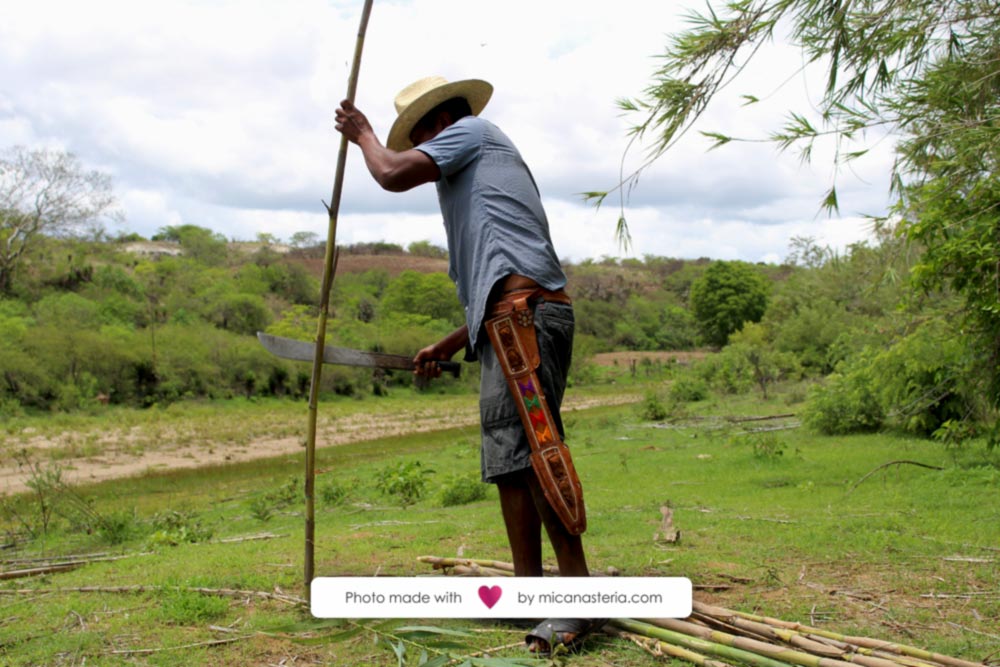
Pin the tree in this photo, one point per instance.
(199, 243)
(427, 249)
(430, 294)
(304, 239)
(923, 72)
(47, 192)
(726, 296)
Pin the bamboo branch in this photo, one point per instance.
(49, 559)
(221, 592)
(892, 463)
(247, 538)
(147, 651)
(45, 569)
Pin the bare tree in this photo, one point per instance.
(47, 192)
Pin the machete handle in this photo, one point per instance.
(452, 367)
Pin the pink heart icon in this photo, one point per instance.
(490, 595)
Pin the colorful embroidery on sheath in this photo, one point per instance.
(533, 403)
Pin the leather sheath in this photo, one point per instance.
(511, 330)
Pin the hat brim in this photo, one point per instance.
(476, 91)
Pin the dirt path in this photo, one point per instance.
(119, 454)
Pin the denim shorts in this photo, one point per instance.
(505, 447)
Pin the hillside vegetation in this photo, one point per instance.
(130, 322)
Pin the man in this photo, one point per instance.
(509, 280)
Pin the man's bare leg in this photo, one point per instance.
(524, 525)
(525, 511)
(568, 548)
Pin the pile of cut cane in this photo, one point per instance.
(717, 637)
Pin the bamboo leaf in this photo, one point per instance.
(625, 104)
(410, 631)
(720, 139)
(400, 650)
(436, 661)
(508, 662)
(830, 204)
(596, 196)
(622, 233)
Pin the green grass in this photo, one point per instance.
(773, 522)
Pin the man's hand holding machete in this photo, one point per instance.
(428, 359)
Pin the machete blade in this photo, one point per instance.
(301, 350)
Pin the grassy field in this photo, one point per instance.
(837, 532)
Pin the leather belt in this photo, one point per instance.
(506, 303)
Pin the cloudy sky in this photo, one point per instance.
(219, 113)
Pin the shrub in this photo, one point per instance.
(919, 384)
(332, 492)
(652, 408)
(263, 507)
(173, 527)
(845, 403)
(404, 481)
(688, 389)
(462, 490)
(766, 446)
(185, 607)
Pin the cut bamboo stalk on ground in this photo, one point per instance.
(778, 652)
(759, 641)
(697, 644)
(733, 623)
(480, 571)
(440, 563)
(219, 592)
(863, 642)
(659, 649)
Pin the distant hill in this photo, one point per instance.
(391, 264)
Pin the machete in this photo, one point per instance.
(301, 350)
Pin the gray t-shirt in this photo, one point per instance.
(493, 215)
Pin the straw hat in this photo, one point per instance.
(414, 101)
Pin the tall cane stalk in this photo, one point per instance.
(329, 266)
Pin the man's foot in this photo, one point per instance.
(568, 632)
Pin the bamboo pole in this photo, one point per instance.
(863, 642)
(778, 652)
(697, 644)
(815, 645)
(480, 571)
(825, 647)
(329, 266)
(659, 649)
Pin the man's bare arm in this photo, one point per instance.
(444, 349)
(394, 171)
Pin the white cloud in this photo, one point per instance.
(220, 114)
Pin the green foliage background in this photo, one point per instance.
(90, 322)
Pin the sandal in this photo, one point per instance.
(568, 632)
